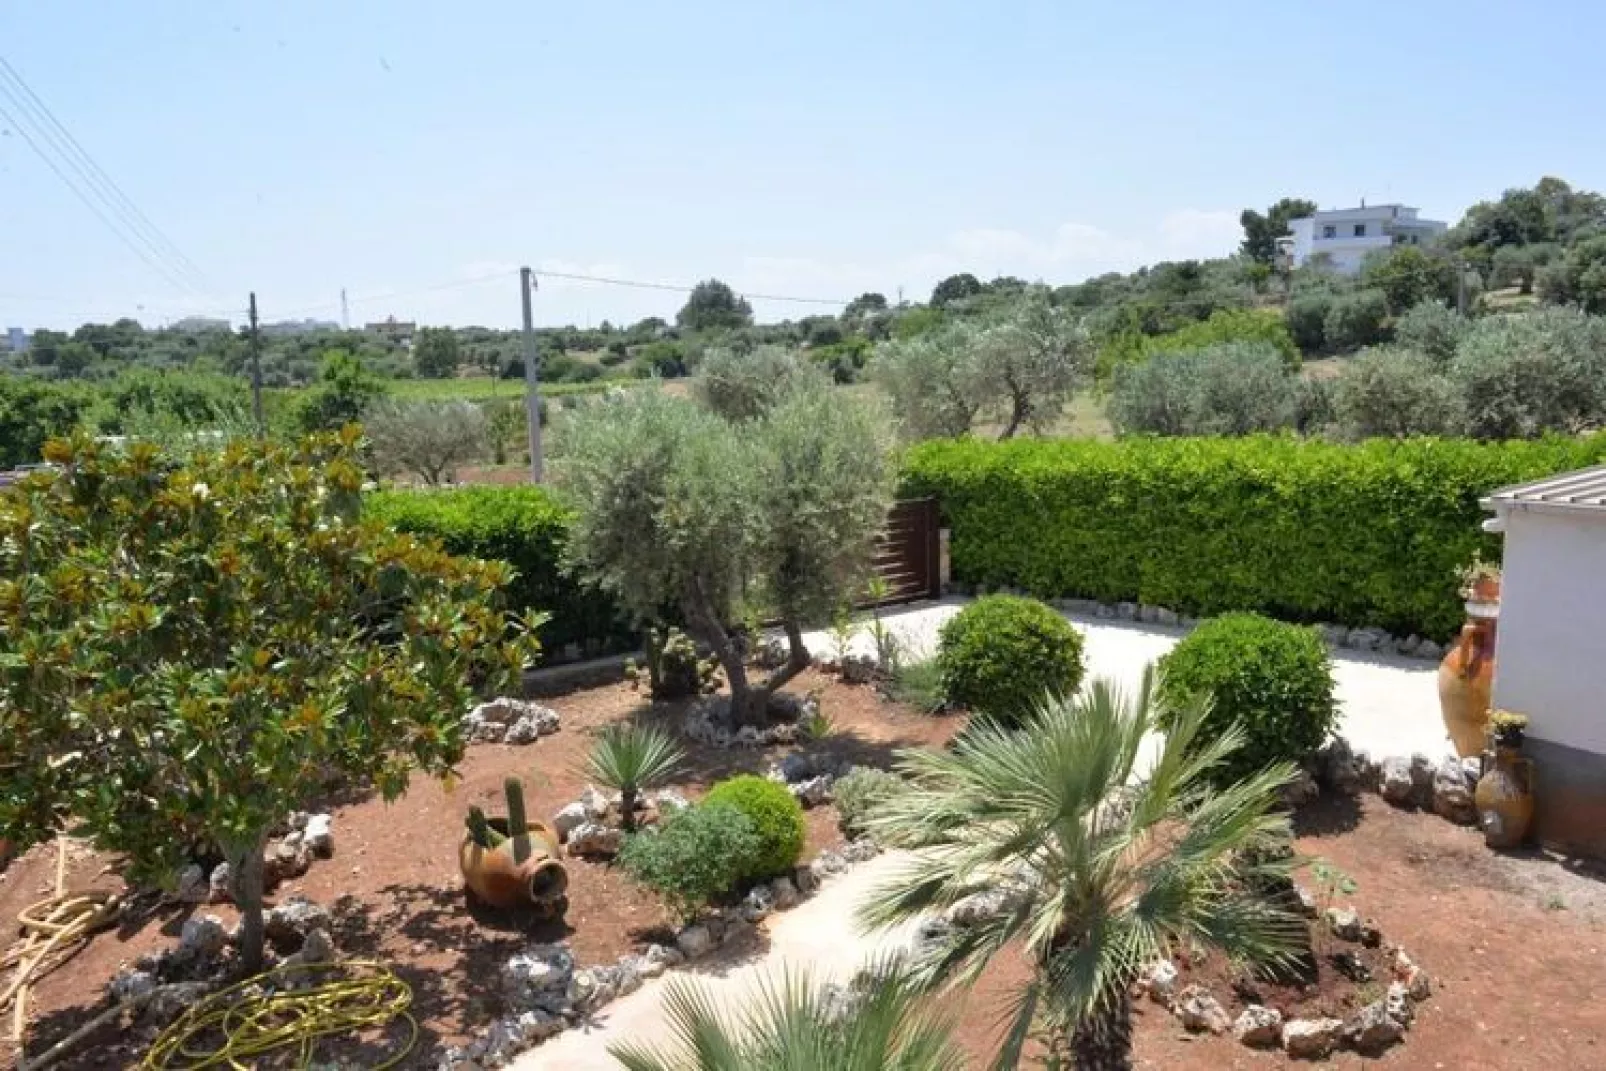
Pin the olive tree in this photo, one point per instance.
(682, 512)
(1392, 392)
(934, 380)
(1521, 376)
(196, 644)
(428, 439)
(1032, 357)
(744, 386)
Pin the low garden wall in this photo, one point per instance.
(1369, 534)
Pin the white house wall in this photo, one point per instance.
(1551, 655)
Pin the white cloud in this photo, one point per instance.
(1071, 252)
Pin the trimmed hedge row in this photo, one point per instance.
(525, 527)
(1367, 534)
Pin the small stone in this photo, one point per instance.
(220, 883)
(1259, 1027)
(748, 736)
(288, 924)
(1200, 1012)
(1397, 1002)
(1429, 650)
(1398, 788)
(1351, 966)
(1126, 611)
(1166, 618)
(860, 850)
(1104, 610)
(1334, 635)
(694, 941)
(1422, 770)
(594, 838)
(783, 893)
(172, 1001)
(1161, 981)
(1148, 614)
(129, 985)
(204, 936)
(1452, 793)
(736, 931)
(538, 977)
(668, 801)
(859, 669)
(319, 835)
(1415, 980)
(806, 879)
(1364, 639)
(1345, 923)
(977, 908)
(1310, 1039)
(285, 859)
(757, 904)
(1372, 1029)
(570, 818)
(1408, 646)
(665, 955)
(524, 731)
(316, 948)
(192, 885)
(815, 790)
(828, 864)
(1307, 901)
(296, 822)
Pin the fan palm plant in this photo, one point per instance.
(630, 759)
(796, 1025)
(1091, 866)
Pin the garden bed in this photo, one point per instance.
(396, 865)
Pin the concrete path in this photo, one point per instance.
(818, 935)
(1388, 705)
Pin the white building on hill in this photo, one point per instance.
(1346, 235)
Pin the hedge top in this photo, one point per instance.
(1364, 534)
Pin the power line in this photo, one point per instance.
(91, 205)
(679, 288)
(86, 165)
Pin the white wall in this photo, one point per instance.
(1550, 654)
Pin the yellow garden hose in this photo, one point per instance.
(235, 1027)
(53, 925)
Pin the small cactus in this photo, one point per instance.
(518, 826)
(480, 830)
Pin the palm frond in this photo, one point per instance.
(1106, 864)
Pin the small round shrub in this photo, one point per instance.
(1272, 678)
(1002, 654)
(694, 855)
(777, 818)
(858, 793)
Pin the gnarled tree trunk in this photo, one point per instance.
(246, 871)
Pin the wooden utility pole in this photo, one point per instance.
(256, 371)
(532, 378)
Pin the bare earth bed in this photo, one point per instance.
(1515, 946)
(397, 864)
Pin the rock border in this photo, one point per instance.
(550, 995)
(1370, 1031)
(1365, 639)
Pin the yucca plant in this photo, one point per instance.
(1096, 867)
(796, 1025)
(630, 759)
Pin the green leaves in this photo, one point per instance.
(1367, 534)
(195, 644)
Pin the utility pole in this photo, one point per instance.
(532, 379)
(256, 371)
(345, 311)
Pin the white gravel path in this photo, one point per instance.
(817, 935)
(1388, 706)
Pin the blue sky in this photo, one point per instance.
(813, 149)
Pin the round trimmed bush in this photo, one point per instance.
(1002, 654)
(777, 818)
(1272, 678)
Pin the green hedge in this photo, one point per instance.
(1367, 534)
(526, 528)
